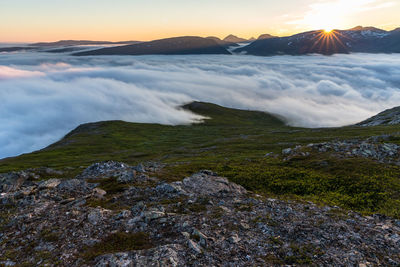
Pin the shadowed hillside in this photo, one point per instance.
(171, 46)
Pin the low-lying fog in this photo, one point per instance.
(44, 96)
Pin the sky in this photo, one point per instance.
(117, 20)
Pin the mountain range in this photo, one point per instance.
(356, 40)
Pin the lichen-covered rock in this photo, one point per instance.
(103, 170)
(207, 183)
(74, 185)
(168, 255)
(204, 220)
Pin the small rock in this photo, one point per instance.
(126, 176)
(193, 246)
(152, 215)
(138, 208)
(234, 239)
(287, 151)
(73, 185)
(166, 188)
(140, 168)
(123, 215)
(186, 235)
(49, 184)
(95, 217)
(99, 193)
(202, 238)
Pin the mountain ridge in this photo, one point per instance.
(356, 40)
(185, 45)
(80, 42)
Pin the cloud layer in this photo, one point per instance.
(42, 97)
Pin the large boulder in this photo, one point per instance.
(207, 183)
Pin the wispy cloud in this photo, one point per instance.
(43, 97)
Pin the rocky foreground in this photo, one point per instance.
(204, 220)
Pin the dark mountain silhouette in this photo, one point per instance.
(81, 42)
(170, 46)
(14, 49)
(252, 39)
(234, 39)
(358, 39)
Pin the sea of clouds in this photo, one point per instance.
(44, 96)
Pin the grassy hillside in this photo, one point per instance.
(234, 143)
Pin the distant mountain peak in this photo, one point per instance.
(361, 28)
(214, 38)
(265, 36)
(234, 39)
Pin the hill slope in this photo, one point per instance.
(240, 144)
(171, 46)
(387, 117)
(157, 208)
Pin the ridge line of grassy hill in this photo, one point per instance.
(234, 143)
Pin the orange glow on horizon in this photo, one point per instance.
(134, 20)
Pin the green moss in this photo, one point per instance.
(110, 185)
(118, 242)
(302, 254)
(358, 184)
(273, 259)
(275, 240)
(49, 236)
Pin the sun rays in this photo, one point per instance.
(329, 42)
